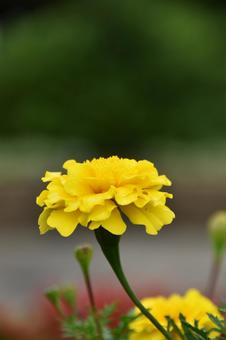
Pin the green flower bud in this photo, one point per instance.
(217, 231)
(83, 254)
(53, 294)
(69, 296)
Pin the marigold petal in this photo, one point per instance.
(76, 170)
(126, 195)
(152, 196)
(94, 225)
(140, 216)
(160, 180)
(72, 205)
(153, 218)
(69, 164)
(162, 213)
(40, 200)
(87, 203)
(42, 221)
(84, 219)
(63, 221)
(50, 175)
(54, 200)
(77, 187)
(102, 212)
(57, 189)
(115, 224)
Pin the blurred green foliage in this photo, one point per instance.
(117, 73)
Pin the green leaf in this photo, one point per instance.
(106, 313)
(193, 332)
(223, 308)
(122, 331)
(73, 328)
(173, 328)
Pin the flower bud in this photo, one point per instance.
(84, 254)
(69, 295)
(53, 294)
(217, 231)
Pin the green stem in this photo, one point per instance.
(109, 244)
(93, 305)
(214, 274)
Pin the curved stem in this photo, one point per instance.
(93, 305)
(214, 274)
(110, 246)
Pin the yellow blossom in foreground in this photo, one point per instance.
(99, 192)
(193, 305)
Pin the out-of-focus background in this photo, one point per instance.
(141, 79)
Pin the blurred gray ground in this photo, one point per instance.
(178, 258)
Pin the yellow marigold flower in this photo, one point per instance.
(99, 192)
(193, 305)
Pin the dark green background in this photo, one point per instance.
(116, 73)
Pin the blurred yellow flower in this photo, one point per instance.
(193, 305)
(99, 192)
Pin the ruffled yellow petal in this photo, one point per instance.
(160, 180)
(140, 216)
(50, 175)
(114, 224)
(42, 221)
(153, 218)
(64, 222)
(69, 164)
(72, 205)
(56, 193)
(77, 187)
(102, 212)
(152, 196)
(84, 219)
(94, 225)
(87, 203)
(162, 213)
(76, 169)
(126, 194)
(40, 200)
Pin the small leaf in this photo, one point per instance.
(223, 308)
(106, 313)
